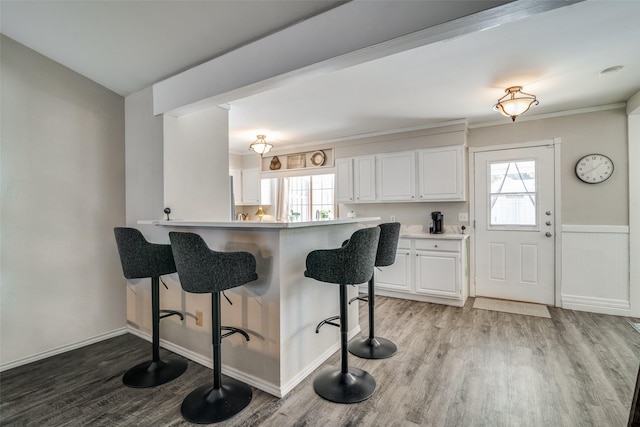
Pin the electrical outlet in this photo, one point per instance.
(392, 218)
(199, 320)
(463, 217)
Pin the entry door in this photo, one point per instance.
(514, 209)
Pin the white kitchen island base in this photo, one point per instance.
(280, 310)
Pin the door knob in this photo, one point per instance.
(548, 234)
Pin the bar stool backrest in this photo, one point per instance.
(388, 244)
(202, 270)
(140, 258)
(351, 264)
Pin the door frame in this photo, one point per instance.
(557, 225)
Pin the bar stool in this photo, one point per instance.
(141, 259)
(202, 270)
(373, 347)
(350, 264)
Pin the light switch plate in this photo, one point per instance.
(463, 217)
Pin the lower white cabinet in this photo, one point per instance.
(427, 269)
(397, 276)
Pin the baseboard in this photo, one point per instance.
(63, 349)
(596, 305)
(258, 383)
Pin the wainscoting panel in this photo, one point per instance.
(595, 268)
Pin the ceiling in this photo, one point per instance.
(557, 55)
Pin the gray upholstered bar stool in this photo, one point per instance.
(141, 259)
(373, 347)
(202, 270)
(351, 264)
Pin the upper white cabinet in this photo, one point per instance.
(344, 180)
(391, 177)
(441, 174)
(248, 188)
(251, 186)
(364, 182)
(397, 176)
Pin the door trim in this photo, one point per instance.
(557, 226)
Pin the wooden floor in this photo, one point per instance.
(454, 367)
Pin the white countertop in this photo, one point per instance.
(255, 224)
(419, 232)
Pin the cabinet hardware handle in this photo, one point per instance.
(435, 246)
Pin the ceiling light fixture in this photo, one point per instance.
(515, 102)
(260, 146)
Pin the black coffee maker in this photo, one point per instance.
(436, 223)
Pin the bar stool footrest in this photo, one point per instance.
(372, 348)
(328, 321)
(153, 373)
(354, 386)
(169, 313)
(359, 298)
(233, 330)
(207, 405)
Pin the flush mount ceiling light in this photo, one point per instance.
(260, 146)
(515, 102)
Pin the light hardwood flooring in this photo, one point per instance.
(454, 367)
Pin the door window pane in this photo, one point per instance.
(513, 193)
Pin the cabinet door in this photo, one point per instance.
(344, 180)
(251, 186)
(237, 185)
(441, 174)
(364, 183)
(397, 176)
(397, 276)
(438, 274)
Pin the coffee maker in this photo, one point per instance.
(436, 223)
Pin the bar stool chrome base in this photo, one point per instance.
(153, 373)
(206, 404)
(354, 386)
(372, 348)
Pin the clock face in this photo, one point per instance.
(594, 168)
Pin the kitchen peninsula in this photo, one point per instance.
(282, 308)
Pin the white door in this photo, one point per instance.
(514, 209)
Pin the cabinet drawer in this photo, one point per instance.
(404, 243)
(438, 244)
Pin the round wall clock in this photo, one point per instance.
(594, 168)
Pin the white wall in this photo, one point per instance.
(63, 191)
(196, 165)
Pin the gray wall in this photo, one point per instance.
(62, 190)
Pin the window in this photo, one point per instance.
(311, 197)
(513, 193)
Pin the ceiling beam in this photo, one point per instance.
(353, 33)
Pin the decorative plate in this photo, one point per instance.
(317, 158)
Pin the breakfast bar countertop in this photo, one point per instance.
(253, 225)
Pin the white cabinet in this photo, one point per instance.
(356, 179)
(397, 276)
(344, 180)
(397, 176)
(392, 177)
(364, 178)
(251, 186)
(427, 269)
(247, 186)
(441, 174)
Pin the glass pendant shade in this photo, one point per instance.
(260, 146)
(515, 102)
